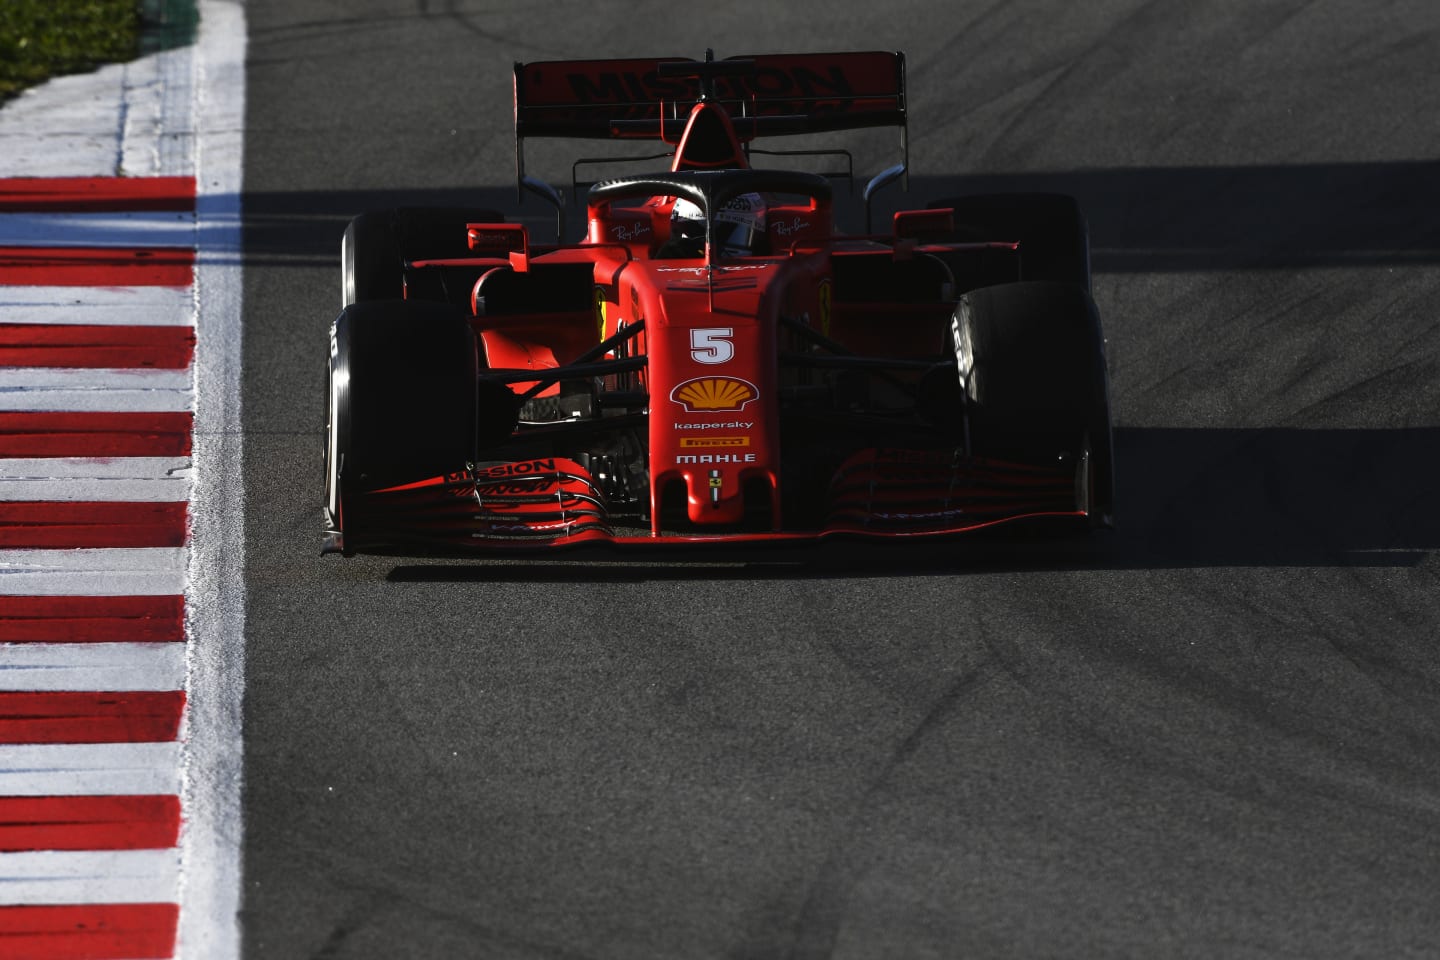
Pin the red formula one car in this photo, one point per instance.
(714, 360)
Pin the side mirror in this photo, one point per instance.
(919, 224)
(509, 240)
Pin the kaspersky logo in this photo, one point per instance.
(714, 394)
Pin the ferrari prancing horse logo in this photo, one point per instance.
(601, 307)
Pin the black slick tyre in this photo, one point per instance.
(1032, 366)
(371, 267)
(402, 398)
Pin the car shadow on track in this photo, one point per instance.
(1187, 498)
(1143, 219)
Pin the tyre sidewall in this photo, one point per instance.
(402, 394)
(1032, 359)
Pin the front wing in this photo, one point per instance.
(555, 502)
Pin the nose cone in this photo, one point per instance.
(713, 432)
(715, 484)
(714, 423)
(715, 444)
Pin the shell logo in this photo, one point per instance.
(714, 394)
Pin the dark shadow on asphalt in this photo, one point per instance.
(1187, 499)
(1141, 220)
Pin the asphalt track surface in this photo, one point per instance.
(1216, 733)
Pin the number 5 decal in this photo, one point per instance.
(712, 344)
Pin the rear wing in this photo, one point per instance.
(764, 95)
(767, 95)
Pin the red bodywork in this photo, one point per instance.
(722, 445)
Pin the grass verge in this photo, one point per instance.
(40, 39)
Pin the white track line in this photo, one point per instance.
(143, 571)
(104, 229)
(148, 479)
(128, 306)
(89, 769)
(92, 666)
(89, 876)
(211, 836)
(213, 829)
(102, 390)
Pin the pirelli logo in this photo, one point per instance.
(712, 442)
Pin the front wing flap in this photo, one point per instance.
(554, 502)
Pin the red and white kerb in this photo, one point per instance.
(97, 337)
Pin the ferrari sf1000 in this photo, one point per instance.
(713, 360)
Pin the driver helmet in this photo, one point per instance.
(739, 224)
(687, 226)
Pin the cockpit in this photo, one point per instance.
(730, 213)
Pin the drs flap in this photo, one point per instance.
(765, 95)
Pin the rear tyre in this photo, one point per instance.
(1032, 365)
(1054, 239)
(371, 267)
(376, 246)
(402, 396)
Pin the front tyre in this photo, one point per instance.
(402, 398)
(1032, 366)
